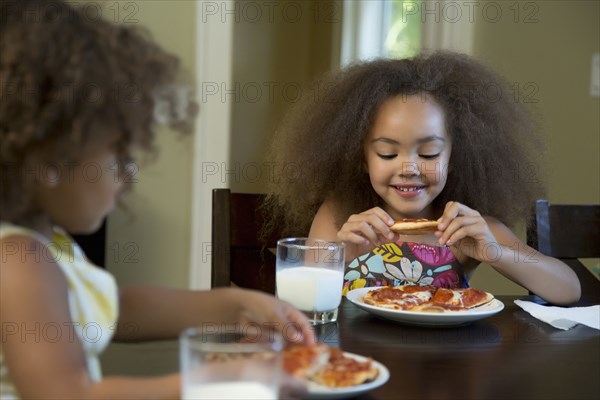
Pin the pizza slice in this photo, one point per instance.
(414, 226)
(461, 299)
(305, 361)
(405, 297)
(344, 371)
(427, 298)
(327, 366)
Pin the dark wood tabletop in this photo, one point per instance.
(509, 355)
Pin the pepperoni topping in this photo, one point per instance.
(426, 298)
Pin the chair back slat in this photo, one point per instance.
(569, 232)
(221, 239)
(239, 254)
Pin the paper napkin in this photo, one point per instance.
(563, 317)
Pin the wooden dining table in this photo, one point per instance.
(509, 355)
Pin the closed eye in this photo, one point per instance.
(387, 156)
(429, 156)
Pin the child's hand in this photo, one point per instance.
(264, 310)
(466, 229)
(371, 226)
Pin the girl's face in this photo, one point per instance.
(77, 196)
(407, 153)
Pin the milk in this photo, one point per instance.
(229, 390)
(310, 288)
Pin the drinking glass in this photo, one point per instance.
(230, 364)
(310, 275)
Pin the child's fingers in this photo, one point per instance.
(453, 210)
(384, 216)
(303, 332)
(456, 230)
(370, 226)
(366, 230)
(466, 231)
(373, 216)
(352, 237)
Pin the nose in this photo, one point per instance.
(409, 169)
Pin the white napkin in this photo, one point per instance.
(563, 317)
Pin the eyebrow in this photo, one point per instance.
(425, 139)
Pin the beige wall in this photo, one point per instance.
(149, 243)
(278, 54)
(553, 55)
(545, 50)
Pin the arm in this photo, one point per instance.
(38, 343)
(488, 240)
(151, 313)
(361, 233)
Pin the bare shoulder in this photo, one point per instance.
(29, 276)
(324, 225)
(34, 309)
(23, 255)
(328, 208)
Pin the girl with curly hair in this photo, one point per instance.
(78, 97)
(437, 136)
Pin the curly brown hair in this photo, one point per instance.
(69, 81)
(494, 165)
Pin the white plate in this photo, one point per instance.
(425, 318)
(316, 391)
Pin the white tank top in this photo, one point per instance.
(93, 299)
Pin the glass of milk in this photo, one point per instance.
(310, 275)
(219, 362)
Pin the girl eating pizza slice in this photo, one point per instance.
(417, 138)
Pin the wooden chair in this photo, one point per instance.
(569, 232)
(239, 256)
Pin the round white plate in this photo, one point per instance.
(424, 318)
(316, 391)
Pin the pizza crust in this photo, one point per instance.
(414, 226)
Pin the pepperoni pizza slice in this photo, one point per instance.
(461, 299)
(404, 297)
(344, 371)
(305, 361)
(427, 298)
(327, 366)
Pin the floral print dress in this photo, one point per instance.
(405, 263)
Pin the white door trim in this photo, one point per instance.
(214, 54)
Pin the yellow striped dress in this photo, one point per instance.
(93, 299)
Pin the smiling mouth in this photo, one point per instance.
(408, 188)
